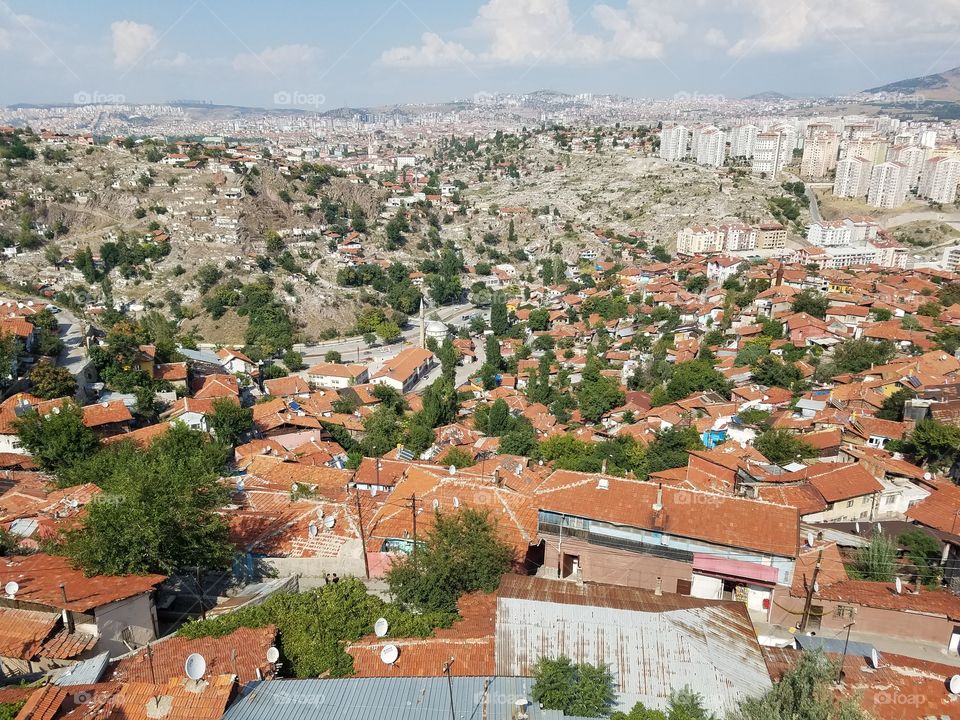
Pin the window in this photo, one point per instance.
(890, 499)
(849, 503)
(844, 611)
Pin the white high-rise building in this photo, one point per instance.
(711, 147)
(938, 182)
(913, 157)
(769, 154)
(819, 152)
(700, 240)
(673, 142)
(928, 138)
(743, 140)
(872, 148)
(888, 185)
(853, 177)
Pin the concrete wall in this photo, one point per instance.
(137, 613)
(312, 570)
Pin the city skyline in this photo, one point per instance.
(421, 51)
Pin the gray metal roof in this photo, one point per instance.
(834, 645)
(204, 356)
(396, 698)
(713, 650)
(85, 672)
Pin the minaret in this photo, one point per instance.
(423, 324)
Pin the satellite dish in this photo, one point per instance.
(380, 627)
(373, 492)
(816, 587)
(456, 501)
(436, 503)
(389, 654)
(809, 539)
(856, 528)
(195, 666)
(240, 485)
(294, 487)
(928, 476)
(875, 660)
(11, 588)
(899, 585)
(320, 513)
(272, 655)
(954, 685)
(452, 469)
(329, 521)
(879, 529)
(312, 529)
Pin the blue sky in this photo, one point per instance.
(369, 52)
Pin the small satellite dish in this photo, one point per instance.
(11, 588)
(954, 685)
(195, 666)
(452, 469)
(320, 513)
(272, 655)
(373, 492)
(436, 503)
(809, 539)
(312, 529)
(899, 585)
(329, 521)
(456, 501)
(816, 587)
(389, 654)
(874, 658)
(240, 485)
(380, 627)
(928, 476)
(879, 529)
(856, 528)
(294, 487)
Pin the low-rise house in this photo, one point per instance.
(405, 370)
(337, 376)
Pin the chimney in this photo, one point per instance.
(67, 615)
(779, 280)
(603, 467)
(659, 590)
(496, 477)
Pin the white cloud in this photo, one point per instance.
(432, 52)
(541, 31)
(131, 41)
(275, 59)
(639, 31)
(715, 37)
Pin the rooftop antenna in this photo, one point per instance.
(195, 666)
(389, 654)
(380, 627)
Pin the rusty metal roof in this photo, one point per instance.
(652, 645)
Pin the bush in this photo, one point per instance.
(583, 690)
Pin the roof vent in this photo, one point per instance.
(603, 483)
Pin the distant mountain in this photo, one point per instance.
(943, 86)
(769, 96)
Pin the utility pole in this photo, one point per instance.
(844, 656)
(809, 600)
(413, 507)
(363, 539)
(446, 670)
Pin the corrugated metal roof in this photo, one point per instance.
(713, 650)
(85, 672)
(474, 698)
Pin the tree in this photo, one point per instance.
(293, 360)
(499, 320)
(498, 419)
(853, 356)
(597, 394)
(538, 319)
(877, 561)
(460, 554)
(57, 440)
(458, 458)
(670, 449)
(230, 422)
(771, 371)
(804, 693)
(49, 382)
(583, 690)
(382, 431)
(159, 509)
(332, 356)
(9, 355)
(935, 444)
(781, 446)
(697, 284)
(684, 704)
(892, 408)
(812, 303)
(388, 331)
(695, 376)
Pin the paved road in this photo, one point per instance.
(814, 205)
(952, 218)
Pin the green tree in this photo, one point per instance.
(892, 408)
(878, 560)
(670, 449)
(159, 510)
(293, 361)
(388, 331)
(771, 371)
(697, 284)
(583, 690)
(499, 320)
(461, 553)
(695, 376)
(230, 422)
(458, 458)
(812, 303)
(923, 550)
(57, 440)
(804, 693)
(538, 319)
(935, 444)
(382, 432)
(49, 382)
(9, 353)
(781, 446)
(597, 394)
(332, 356)
(498, 419)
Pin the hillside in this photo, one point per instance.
(943, 86)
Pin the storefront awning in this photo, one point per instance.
(735, 569)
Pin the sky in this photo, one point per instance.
(323, 54)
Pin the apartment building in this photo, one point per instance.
(888, 185)
(853, 177)
(711, 146)
(770, 153)
(771, 236)
(739, 237)
(743, 140)
(872, 148)
(673, 142)
(700, 240)
(938, 181)
(819, 152)
(913, 158)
